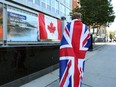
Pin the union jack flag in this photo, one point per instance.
(74, 44)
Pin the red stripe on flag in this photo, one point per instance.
(76, 74)
(65, 75)
(77, 31)
(86, 39)
(43, 33)
(67, 52)
(59, 25)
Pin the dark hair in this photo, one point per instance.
(76, 15)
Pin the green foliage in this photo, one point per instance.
(113, 33)
(96, 12)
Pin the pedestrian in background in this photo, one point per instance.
(74, 45)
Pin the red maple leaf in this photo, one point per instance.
(51, 28)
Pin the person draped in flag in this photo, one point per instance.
(74, 45)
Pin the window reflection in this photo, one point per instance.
(57, 7)
(43, 3)
(37, 2)
(30, 0)
(53, 6)
(67, 11)
(49, 4)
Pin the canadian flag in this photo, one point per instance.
(49, 28)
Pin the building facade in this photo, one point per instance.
(55, 8)
(23, 56)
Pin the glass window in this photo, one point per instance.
(63, 1)
(43, 3)
(67, 12)
(57, 7)
(62, 9)
(53, 6)
(68, 3)
(49, 4)
(37, 2)
(30, 0)
(22, 25)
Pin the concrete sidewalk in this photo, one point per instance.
(48, 80)
(52, 79)
(100, 67)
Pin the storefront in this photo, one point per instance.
(29, 43)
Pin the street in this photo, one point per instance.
(100, 67)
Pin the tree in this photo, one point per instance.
(96, 12)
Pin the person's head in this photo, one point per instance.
(76, 15)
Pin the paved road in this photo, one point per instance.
(100, 68)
